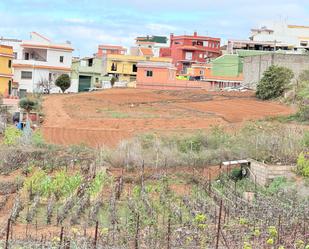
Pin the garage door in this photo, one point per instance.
(84, 83)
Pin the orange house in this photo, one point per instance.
(162, 76)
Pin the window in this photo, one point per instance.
(205, 43)
(303, 43)
(201, 56)
(114, 67)
(96, 80)
(202, 72)
(26, 75)
(26, 56)
(189, 55)
(50, 77)
(10, 64)
(90, 62)
(61, 59)
(149, 73)
(15, 55)
(134, 68)
(10, 87)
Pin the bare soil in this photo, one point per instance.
(107, 117)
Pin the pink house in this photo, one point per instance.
(162, 76)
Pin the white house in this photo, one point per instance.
(39, 59)
(295, 36)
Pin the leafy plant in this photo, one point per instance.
(274, 82)
(303, 164)
(63, 82)
(12, 135)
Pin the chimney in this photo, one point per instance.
(195, 33)
(171, 38)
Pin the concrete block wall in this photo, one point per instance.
(264, 174)
(255, 66)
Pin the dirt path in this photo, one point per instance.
(107, 117)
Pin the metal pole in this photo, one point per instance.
(7, 234)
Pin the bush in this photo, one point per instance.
(236, 174)
(63, 82)
(303, 164)
(27, 104)
(12, 135)
(274, 82)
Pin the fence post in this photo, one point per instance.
(219, 225)
(96, 234)
(7, 234)
(61, 237)
(169, 232)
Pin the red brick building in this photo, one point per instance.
(186, 50)
(110, 49)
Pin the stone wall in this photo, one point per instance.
(254, 66)
(264, 174)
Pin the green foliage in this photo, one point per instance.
(113, 80)
(61, 185)
(303, 164)
(274, 82)
(191, 143)
(38, 183)
(98, 182)
(63, 82)
(236, 174)
(27, 104)
(37, 139)
(305, 140)
(247, 245)
(12, 135)
(64, 184)
(277, 184)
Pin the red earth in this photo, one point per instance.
(107, 117)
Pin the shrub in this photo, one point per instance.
(12, 135)
(236, 174)
(274, 82)
(63, 82)
(303, 164)
(27, 104)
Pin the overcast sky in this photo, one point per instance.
(87, 23)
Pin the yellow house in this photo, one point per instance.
(124, 67)
(6, 76)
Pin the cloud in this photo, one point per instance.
(89, 23)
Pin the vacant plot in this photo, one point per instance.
(107, 117)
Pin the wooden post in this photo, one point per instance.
(61, 237)
(219, 226)
(169, 233)
(96, 234)
(7, 234)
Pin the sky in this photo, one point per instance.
(87, 23)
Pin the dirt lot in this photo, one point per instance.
(106, 117)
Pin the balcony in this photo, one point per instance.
(32, 54)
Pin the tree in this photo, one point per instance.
(28, 105)
(113, 80)
(274, 82)
(64, 82)
(45, 85)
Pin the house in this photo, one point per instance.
(39, 60)
(104, 50)
(279, 36)
(186, 50)
(149, 45)
(88, 73)
(124, 67)
(6, 76)
(199, 71)
(162, 76)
